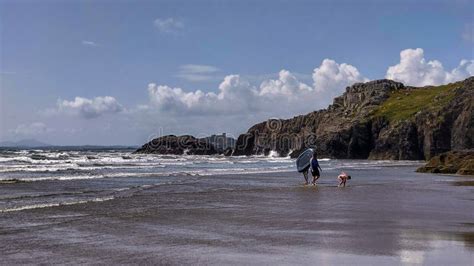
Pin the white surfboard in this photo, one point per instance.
(304, 160)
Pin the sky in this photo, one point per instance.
(123, 72)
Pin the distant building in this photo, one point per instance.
(221, 142)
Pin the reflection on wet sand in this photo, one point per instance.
(468, 238)
(468, 183)
(382, 217)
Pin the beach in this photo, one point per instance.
(388, 214)
(185, 132)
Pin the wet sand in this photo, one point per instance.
(386, 216)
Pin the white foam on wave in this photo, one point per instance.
(279, 160)
(29, 168)
(16, 158)
(246, 161)
(374, 164)
(28, 160)
(84, 157)
(178, 163)
(56, 204)
(74, 167)
(83, 177)
(93, 163)
(273, 154)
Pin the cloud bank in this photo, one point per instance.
(413, 69)
(234, 95)
(284, 95)
(240, 101)
(90, 108)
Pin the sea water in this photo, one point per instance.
(114, 207)
(36, 178)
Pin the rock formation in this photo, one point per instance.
(221, 142)
(380, 119)
(453, 162)
(178, 145)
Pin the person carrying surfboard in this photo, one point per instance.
(308, 159)
(315, 168)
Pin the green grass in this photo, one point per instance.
(404, 104)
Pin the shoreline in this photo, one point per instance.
(256, 218)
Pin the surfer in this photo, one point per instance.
(308, 160)
(343, 177)
(315, 168)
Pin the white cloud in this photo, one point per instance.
(91, 108)
(284, 96)
(193, 72)
(168, 25)
(415, 70)
(238, 102)
(175, 99)
(89, 43)
(286, 85)
(287, 95)
(233, 95)
(330, 78)
(32, 129)
(238, 95)
(463, 70)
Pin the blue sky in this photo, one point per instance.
(139, 52)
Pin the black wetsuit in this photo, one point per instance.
(315, 167)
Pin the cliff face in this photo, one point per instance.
(380, 119)
(220, 142)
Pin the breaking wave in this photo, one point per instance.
(50, 205)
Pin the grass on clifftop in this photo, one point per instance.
(404, 104)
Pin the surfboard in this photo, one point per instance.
(304, 160)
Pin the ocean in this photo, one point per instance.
(112, 206)
(64, 177)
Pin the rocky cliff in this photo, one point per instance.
(453, 162)
(380, 119)
(221, 142)
(178, 145)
